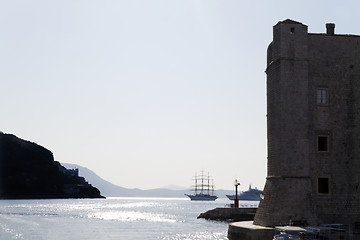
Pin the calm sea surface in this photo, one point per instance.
(112, 218)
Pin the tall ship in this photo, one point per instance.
(203, 189)
(253, 194)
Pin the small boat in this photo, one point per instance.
(203, 190)
(253, 194)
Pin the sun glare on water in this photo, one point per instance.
(131, 216)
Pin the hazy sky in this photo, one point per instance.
(147, 92)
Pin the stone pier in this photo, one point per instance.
(246, 230)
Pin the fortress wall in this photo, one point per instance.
(310, 178)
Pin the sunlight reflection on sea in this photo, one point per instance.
(112, 218)
(132, 216)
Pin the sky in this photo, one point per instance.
(146, 93)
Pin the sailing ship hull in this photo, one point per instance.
(202, 197)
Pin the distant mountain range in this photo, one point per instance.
(108, 189)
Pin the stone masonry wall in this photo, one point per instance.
(288, 183)
(298, 65)
(334, 64)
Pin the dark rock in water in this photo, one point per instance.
(28, 170)
(229, 214)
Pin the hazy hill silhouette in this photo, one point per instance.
(111, 190)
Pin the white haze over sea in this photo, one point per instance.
(112, 218)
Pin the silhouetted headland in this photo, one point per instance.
(28, 171)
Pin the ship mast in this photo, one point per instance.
(212, 187)
(202, 181)
(208, 185)
(196, 185)
(202, 184)
(203, 188)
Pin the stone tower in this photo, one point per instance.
(313, 118)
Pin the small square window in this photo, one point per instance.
(321, 96)
(323, 185)
(357, 226)
(323, 143)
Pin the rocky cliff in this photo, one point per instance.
(28, 170)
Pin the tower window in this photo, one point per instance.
(292, 30)
(321, 96)
(323, 185)
(323, 143)
(357, 226)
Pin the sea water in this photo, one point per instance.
(111, 218)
